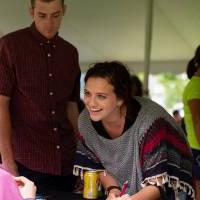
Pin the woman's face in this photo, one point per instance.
(100, 99)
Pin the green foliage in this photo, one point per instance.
(173, 86)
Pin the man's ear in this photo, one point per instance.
(31, 11)
(64, 9)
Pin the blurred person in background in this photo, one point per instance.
(177, 116)
(179, 119)
(137, 88)
(191, 101)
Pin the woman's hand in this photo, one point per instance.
(112, 196)
(26, 187)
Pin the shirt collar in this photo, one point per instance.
(40, 37)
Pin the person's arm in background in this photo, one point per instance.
(26, 187)
(15, 188)
(72, 114)
(6, 136)
(72, 105)
(194, 106)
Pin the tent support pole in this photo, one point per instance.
(148, 41)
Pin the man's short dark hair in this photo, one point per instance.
(33, 2)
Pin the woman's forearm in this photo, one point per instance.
(149, 192)
(109, 183)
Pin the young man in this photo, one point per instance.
(39, 88)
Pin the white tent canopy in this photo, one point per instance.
(115, 30)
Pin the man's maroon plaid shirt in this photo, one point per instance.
(40, 76)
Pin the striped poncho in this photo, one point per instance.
(153, 147)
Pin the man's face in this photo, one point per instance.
(47, 17)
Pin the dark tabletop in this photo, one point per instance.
(58, 195)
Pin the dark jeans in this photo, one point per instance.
(196, 166)
(46, 183)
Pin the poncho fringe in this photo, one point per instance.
(172, 181)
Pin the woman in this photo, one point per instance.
(191, 101)
(130, 139)
(17, 188)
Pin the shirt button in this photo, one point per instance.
(55, 129)
(50, 74)
(58, 147)
(49, 55)
(51, 93)
(41, 44)
(54, 46)
(48, 41)
(53, 112)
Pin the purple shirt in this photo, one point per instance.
(40, 76)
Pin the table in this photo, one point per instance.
(59, 195)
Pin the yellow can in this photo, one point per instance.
(90, 190)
